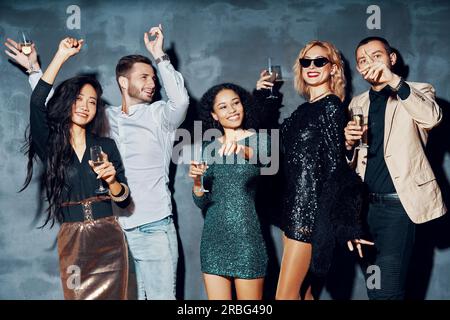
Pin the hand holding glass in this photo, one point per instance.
(275, 75)
(202, 165)
(97, 159)
(25, 45)
(359, 119)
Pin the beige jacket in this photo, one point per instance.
(407, 123)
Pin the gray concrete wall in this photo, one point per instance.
(213, 42)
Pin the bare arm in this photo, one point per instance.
(174, 113)
(68, 47)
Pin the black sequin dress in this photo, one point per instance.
(313, 145)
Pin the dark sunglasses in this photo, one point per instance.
(318, 62)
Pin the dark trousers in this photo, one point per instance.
(393, 233)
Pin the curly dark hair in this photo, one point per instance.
(251, 119)
(59, 149)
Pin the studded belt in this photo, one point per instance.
(89, 209)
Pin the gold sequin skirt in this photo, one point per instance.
(93, 260)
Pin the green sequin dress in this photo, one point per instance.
(232, 244)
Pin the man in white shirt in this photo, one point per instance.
(144, 133)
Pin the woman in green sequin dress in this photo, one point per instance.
(232, 246)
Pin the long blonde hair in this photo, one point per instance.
(336, 82)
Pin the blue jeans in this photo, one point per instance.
(154, 249)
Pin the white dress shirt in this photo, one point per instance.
(145, 138)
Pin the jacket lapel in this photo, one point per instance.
(391, 107)
(364, 104)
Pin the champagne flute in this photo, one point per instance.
(275, 75)
(202, 165)
(25, 46)
(359, 119)
(97, 159)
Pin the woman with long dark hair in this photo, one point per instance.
(232, 247)
(92, 250)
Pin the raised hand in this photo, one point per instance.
(377, 72)
(15, 53)
(263, 81)
(155, 46)
(69, 47)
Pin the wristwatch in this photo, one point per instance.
(163, 57)
(398, 85)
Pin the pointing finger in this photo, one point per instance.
(370, 243)
(368, 56)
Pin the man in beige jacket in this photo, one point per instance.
(401, 185)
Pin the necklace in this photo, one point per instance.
(319, 96)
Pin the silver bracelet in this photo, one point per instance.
(122, 197)
(31, 70)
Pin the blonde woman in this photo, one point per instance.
(312, 141)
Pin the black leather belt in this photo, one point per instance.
(383, 198)
(88, 209)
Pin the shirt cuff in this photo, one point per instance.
(45, 84)
(35, 76)
(404, 91)
(261, 93)
(163, 63)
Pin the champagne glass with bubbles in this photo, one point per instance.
(97, 159)
(275, 75)
(360, 120)
(203, 164)
(25, 46)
